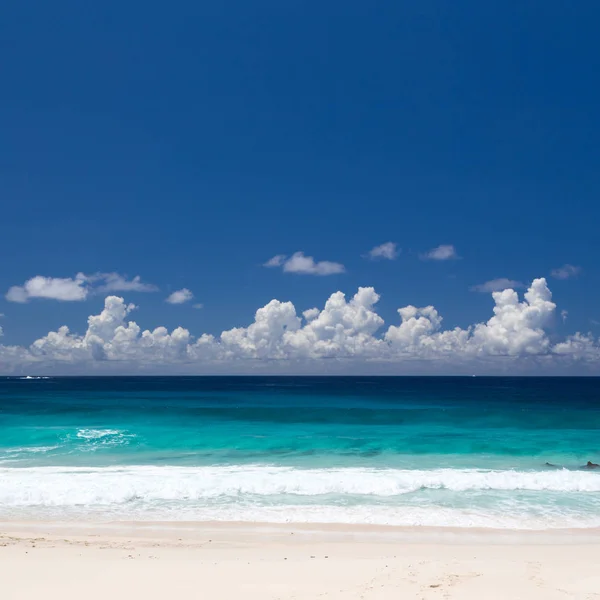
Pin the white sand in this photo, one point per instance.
(258, 562)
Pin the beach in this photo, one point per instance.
(264, 562)
(299, 488)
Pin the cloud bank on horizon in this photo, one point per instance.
(345, 336)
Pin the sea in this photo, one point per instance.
(405, 451)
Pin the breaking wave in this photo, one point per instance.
(284, 494)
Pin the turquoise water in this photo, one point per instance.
(405, 451)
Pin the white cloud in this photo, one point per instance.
(77, 288)
(578, 348)
(389, 250)
(496, 285)
(110, 337)
(180, 296)
(305, 265)
(443, 252)
(564, 314)
(311, 313)
(276, 261)
(517, 328)
(198, 305)
(53, 288)
(346, 335)
(566, 272)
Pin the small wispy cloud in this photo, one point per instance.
(564, 314)
(276, 261)
(388, 251)
(198, 305)
(304, 265)
(180, 296)
(443, 252)
(566, 272)
(496, 285)
(114, 282)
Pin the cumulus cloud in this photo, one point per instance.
(443, 252)
(582, 348)
(347, 334)
(305, 265)
(180, 297)
(389, 251)
(74, 289)
(496, 285)
(53, 288)
(109, 337)
(566, 272)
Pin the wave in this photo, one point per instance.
(106, 485)
(33, 377)
(285, 494)
(95, 434)
(95, 439)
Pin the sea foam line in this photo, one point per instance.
(70, 486)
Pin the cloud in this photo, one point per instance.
(496, 285)
(114, 282)
(75, 289)
(516, 329)
(566, 272)
(304, 265)
(180, 296)
(389, 251)
(53, 288)
(346, 335)
(276, 261)
(109, 337)
(443, 252)
(198, 305)
(564, 314)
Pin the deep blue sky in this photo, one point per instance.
(189, 142)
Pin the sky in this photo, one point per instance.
(179, 184)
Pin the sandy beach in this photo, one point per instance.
(263, 562)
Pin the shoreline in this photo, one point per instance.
(228, 561)
(165, 530)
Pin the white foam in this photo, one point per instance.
(81, 485)
(282, 494)
(94, 434)
(95, 439)
(30, 449)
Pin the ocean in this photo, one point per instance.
(408, 451)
